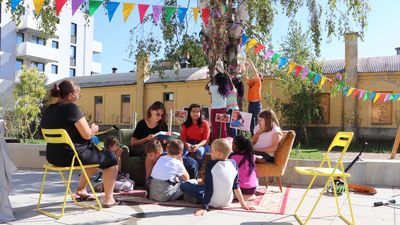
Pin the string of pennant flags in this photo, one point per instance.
(316, 78)
(127, 8)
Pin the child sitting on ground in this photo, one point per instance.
(111, 143)
(221, 180)
(153, 151)
(245, 159)
(167, 174)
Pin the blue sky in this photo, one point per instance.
(381, 37)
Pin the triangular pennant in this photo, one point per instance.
(93, 6)
(259, 48)
(355, 92)
(182, 14)
(310, 75)
(15, 3)
(316, 78)
(75, 5)
(111, 7)
(156, 13)
(341, 85)
(339, 76)
(361, 94)
(205, 14)
(345, 90)
(268, 54)
(291, 67)
(396, 97)
(366, 96)
(391, 97)
(350, 91)
(298, 69)
(323, 80)
(275, 57)
(127, 9)
(387, 97)
(251, 44)
(372, 95)
(196, 14)
(38, 5)
(377, 96)
(142, 11)
(305, 73)
(169, 11)
(282, 62)
(59, 5)
(245, 38)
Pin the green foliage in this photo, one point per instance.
(29, 97)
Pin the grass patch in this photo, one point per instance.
(306, 153)
(34, 141)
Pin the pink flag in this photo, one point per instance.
(75, 5)
(59, 5)
(386, 98)
(142, 11)
(268, 54)
(305, 73)
(156, 13)
(361, 94)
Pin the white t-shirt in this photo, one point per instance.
(167, 168)
(217, 101)
(265, 139)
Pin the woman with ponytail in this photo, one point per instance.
(66, 114)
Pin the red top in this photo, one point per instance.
(196, 133)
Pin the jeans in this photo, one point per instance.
(254, 109)
(199, 154)
(193, 190)
(191, 166)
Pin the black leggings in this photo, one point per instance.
(61, 155)
(265, 156)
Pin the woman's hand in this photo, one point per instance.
(194, 148)
(94, 128)
(149, 137)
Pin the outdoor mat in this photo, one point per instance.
(268, 200)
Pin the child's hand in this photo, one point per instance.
(119, 151)
(246, 207)
(200, 212)
(200, 181)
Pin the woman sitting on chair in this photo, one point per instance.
(66, 114)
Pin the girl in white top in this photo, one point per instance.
(267, 136)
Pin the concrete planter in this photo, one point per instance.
(27, 155)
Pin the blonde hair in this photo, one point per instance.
(153, 147)
(222, 146)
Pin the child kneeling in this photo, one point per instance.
(167, 174)
(220, 180)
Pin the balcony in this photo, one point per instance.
(28, 23)
(97, 47)
(96, 67)
(28, 50)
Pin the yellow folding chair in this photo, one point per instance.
(60, 136)
(342, 139)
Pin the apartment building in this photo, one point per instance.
(73, 52)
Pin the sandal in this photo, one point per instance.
(117, 202)
(84, 197)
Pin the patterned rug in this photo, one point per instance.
(268, 200)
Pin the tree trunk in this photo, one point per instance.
(221, 38)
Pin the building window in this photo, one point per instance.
(382, 112)
(98, 109)
(325, 108)
(72, 72)
(38, 40)
(54, 69)
(72, 56)
(125, 108)
(73, 32)
(20, 37)
(54, 44)
(18, 64)
(38, 65)
(168, 96)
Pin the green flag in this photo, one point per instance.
(169, 11)
(366, 96)
(275, 57)
(93, 6)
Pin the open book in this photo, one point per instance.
(167, 135)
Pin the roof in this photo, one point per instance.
(116, 79)
(365, 65)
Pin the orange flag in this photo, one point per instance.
(127, 9)
(195, 14)
(38, 5)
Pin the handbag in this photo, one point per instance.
(95, 142)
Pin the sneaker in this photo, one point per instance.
(188, 198)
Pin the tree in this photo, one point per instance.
(221, 38)
(29, 94)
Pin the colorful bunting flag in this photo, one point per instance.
(59, 5)
(372, 95)
(251, 44)
(127, 9)
(390, 97)
(396, 96)
(282, 62)
(355, 92)
(275, 57)
(366, 96)
(310, 75)
(244, 39)
(323, 80)
(156, 13)
(377, 96)
(345, 90)
(305, 73)
(350, 91)
(316, 78)
(75, 5)
(38, 5)
(291, 67)
(142, 11)
(196, 14)
(205, 14)
(259, 48)
(182, 14)
(298, 69)
(361, 94)
(339, 76)
(111, 7)
(93, 6)
(268, 54)
(341, 85)
(387, 97)
(169, 11)
(15, 3)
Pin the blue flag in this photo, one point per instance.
(111, 7)
(182, 14)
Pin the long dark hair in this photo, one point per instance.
(222, 80)
(189, 120)
(63, 89)
(239, 86)
(245, 148)
(157, 105)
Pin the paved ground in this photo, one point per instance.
(25, 194)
